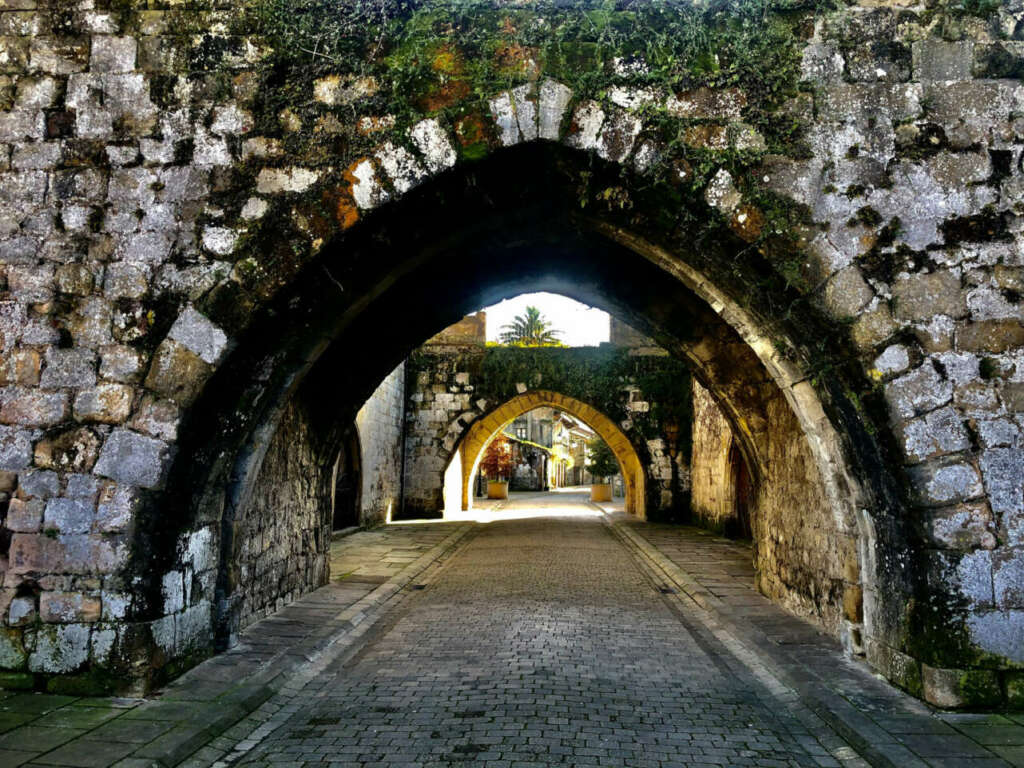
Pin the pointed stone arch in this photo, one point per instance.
(471, 448)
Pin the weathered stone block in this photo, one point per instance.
(73, 450)
(82, 487)
(901, 669)
(822, 63)
(919, 297)
(68, 607)
(41, 156)
(58, 56)
(367, 191)
(68, 368)
(32, 408)
(23, 368)
(1000, 632)
(115, 509)
(12, 651)
(273, 181)
(31, 284)
(60, 648)
(722, 194)
(956, 688)
(34, 552)
(120, 363)
(105, 403)
(895, 359)
(401, 167)
(941, 60)
(21, 612)
(917, 392)
(38, 484)
(15, 448)
(343, 89)
(880, 60)
(76, 279)
(873, 327)
(964, 527)
(90, 324)
(846, 293)
(25, 516)
(133, 459)
(990, 336)
(941, 483)
(125, 281)
(177, 372)
(158, 418)
(935, 434)
(1008, 578)
(554, 100)
(69, 515)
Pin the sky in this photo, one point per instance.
(581, 326)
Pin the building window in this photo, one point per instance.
(521, 433)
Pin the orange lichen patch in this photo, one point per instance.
(747, 222)
(444, 95)
(514, 59)
(447, 60)
(451, 85)
(349, 175)
(374, 124)
(346, 211)
(341, 201)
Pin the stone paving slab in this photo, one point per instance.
(195, 710)
(889, 727)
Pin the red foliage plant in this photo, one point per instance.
(497, 463)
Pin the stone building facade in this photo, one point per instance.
(202, 226)
(455, 388)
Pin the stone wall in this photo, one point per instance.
(381, 423)
(282, 533)
(803, 557)
(166, 176)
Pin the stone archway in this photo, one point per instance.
(210, 276)
(476, 439)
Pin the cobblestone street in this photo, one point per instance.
(539, 631)
(544, 642)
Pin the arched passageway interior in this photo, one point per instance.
(448, 249)
(224, 228)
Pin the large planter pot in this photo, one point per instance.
(497, 489)
(601, 492)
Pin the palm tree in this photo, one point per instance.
(530, 330)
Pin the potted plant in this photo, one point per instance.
(602, 464)
(497, 466)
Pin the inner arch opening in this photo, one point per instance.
(470, 450)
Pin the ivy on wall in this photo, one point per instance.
(606, 378)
